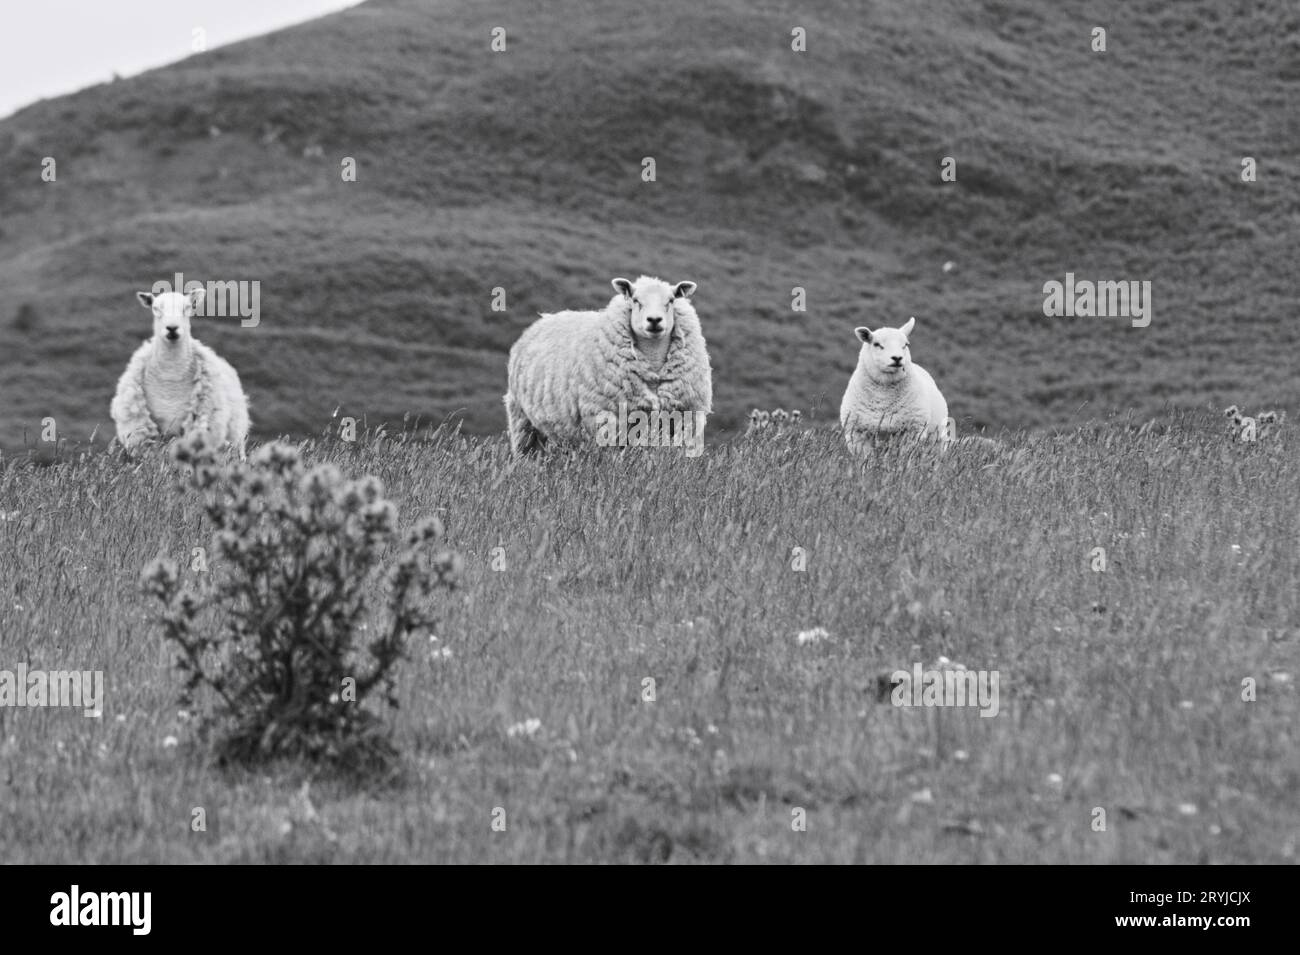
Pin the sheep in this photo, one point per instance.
(174, 384)
(581, 375)
(888, 393)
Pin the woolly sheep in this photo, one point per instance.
(174, 384)
(888, 393)
(573, 376)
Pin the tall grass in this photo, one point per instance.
(588, 575)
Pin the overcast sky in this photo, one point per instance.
(52, 47)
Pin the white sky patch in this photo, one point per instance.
(55, 47)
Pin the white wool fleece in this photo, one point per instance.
(176, 385)
(569, 368)
(889, 394)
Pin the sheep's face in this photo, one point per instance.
(653, 304)
(172, 312)
(884, 351)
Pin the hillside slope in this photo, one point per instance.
(521, 170)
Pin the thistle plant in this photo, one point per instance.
(274, 635)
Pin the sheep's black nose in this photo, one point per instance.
(172, 329)
(898, 359)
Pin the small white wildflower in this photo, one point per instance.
(440, 653)
(121, 717)
(183, 715)
(1185, 704)
(805, 637)
(960, 755)
(1187, 809)
(528, 727)
(169, 742)
(1054, 779)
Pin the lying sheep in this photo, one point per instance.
(582, 376)
(174, 384)
(888, 394)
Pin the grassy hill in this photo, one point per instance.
(776, 169)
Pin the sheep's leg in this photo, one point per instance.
(131, 418)
(524, 438)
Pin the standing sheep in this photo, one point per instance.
(174, 384)
(580, 376)
(888, 394)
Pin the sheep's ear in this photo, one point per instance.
(863, 333)
(683, 290)
(911, 323)
(195, 297)
(146, 298)
(623, 286)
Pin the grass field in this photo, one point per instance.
(1119, 689)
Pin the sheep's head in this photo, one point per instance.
(172, 312)
(653, 302)
(885, 350)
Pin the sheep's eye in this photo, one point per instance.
(878, 345)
